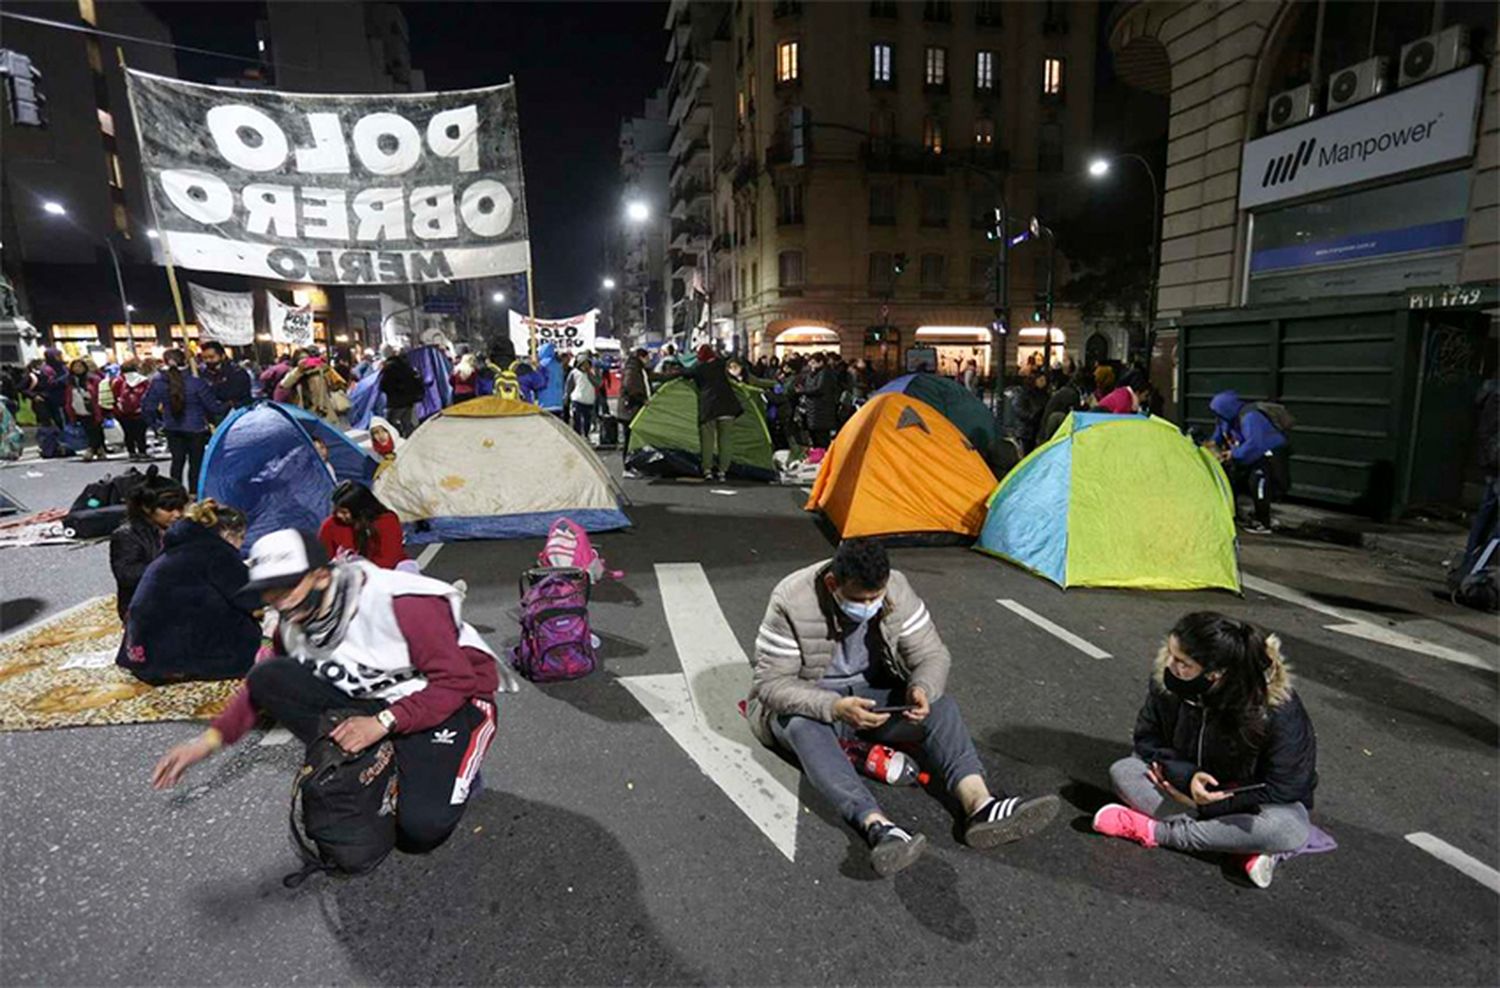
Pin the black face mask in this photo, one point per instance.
(1187, 689)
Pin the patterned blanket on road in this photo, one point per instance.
(52, 676)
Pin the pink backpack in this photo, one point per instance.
(568, 545)
(556, 641)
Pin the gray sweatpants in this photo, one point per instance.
(942, 735)
(1276, 829)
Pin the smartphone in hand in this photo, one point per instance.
(893, 710)
(1232, 790)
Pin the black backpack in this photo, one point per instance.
(1281, 419)
(343, 815)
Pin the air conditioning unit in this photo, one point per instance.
(1290, 108)
(1357, 83)
(1433, 55)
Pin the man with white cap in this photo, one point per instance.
(390, 644)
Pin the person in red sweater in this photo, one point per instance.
(360, 525)
(391, 645)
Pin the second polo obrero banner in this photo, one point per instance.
(569, 335)
(390, 188)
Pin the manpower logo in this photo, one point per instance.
(1283, 167)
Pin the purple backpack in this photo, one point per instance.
(556, 642)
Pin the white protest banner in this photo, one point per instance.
(567, 335)
(290, 324)
(228, 317)
(389, 188)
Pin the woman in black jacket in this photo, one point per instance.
(1225, 756)
(820, 392)
(149, 511)
(190, 619)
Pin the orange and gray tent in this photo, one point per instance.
(900, 470)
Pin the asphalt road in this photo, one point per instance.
(599, 853)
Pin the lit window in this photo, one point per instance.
(984, 71)
(984, 133)
(115, 178)
(932, 135)
(880, 63)
(1052, 76)
(789, 270)
(741, 106)
(86, 12)
(107, 122)
(787, 68)
(937, 66)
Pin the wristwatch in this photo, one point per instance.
(387, 720)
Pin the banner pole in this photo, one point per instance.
(521, 171)
(530, 299)
(166, 250)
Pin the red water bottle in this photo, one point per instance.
(886, 764)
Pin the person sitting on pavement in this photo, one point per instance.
(388, 644)
(1130, 398)
(1253, 452)
(384, 441)
(843, 642)
(361, 526)
(1225, 756)
(150, 510)
(190, 619)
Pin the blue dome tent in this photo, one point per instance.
(366, 400)
(262, 461)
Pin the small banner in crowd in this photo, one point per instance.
(389, 188)
(567, 335)
(228, 317)
(290, 324)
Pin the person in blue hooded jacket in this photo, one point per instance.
(1253, 451)
(550, 396)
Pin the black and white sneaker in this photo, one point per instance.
(892, 849)
(1007, 819)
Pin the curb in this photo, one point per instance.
(1439, 550)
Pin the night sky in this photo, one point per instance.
(580, 68)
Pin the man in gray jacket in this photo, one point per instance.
(842, 642)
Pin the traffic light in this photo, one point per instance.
(997, 229)
(898, 264)
(999, 325)
(22, 94)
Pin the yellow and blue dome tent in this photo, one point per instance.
(1117, 501)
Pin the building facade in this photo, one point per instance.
(638, 308)
(836, 170)
(1330, 234)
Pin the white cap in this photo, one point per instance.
(283, 558)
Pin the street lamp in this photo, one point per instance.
(1098, 168)
(57, 209)
(152, 235)
(609, 284)
(637, 211)
(498, 298)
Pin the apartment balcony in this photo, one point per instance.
(747, 171)
(889, 158)
(692, 197)
(690, 234)
(723, 243)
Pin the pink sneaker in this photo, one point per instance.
(1115, 820)
(1259, 868)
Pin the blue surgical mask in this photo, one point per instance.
(861, 611)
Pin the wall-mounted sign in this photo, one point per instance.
(1427, 124)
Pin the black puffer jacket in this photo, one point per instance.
(131, 549)
(1185, 737)
(716, 395)
(820, 398)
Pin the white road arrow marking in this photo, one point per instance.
(699, 707)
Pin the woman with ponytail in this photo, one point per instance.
(190, 618)
(182, 404)
(361, 526)
(1225, 756)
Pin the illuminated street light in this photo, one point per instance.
(609, 284)
(498, 298)
(55, 208)
(637, 211)
(152, 235)
(1099, 167)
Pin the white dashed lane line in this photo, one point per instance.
(1450, 855)
(1057, 631)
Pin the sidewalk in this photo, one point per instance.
(1423, 540)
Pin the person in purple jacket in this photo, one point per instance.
(1254, 452)
(182, 404)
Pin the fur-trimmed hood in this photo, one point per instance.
(1278, 675)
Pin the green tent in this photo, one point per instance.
(1117, 501)
(966, 412)
(664, 435)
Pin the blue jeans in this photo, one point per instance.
(1483, 528)
(943, 737)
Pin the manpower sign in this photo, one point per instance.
(1425, 125)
